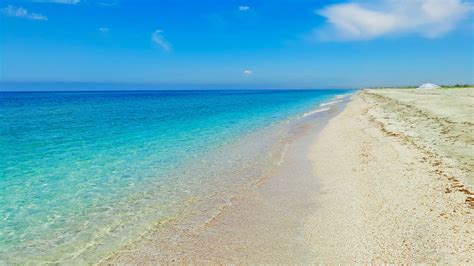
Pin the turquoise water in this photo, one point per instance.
(80, 171)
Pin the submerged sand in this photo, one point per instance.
(262, 225)
(387, 180)
(395, 170)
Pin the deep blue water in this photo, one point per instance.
(76, 167)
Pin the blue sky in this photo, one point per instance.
(299, 43)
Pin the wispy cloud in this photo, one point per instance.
(20, 12)
(158, 38)
(101, 3)
(107, 3)
(104, 29)
(244, 8)
(67, 2)
(248, 72)
(367, 20)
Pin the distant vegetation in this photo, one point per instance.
(458, 86)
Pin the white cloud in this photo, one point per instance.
(369, 20)
(104, 29)
(107, 3)
(157, 38)
(248, 72)
(21, 12)
(244, 8)
(67, 2)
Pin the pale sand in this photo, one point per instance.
(395, 170)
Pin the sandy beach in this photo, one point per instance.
(396, 171)
(236, 132)
(387, 180)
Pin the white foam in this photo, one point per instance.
(342, 96)
(330, 103)
(319, 110)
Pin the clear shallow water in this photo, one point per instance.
(82, 172)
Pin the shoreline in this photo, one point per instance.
(357, 188)
(265, 221)
(163, 167)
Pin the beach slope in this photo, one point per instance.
(395, 171)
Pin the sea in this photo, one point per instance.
(83, 173)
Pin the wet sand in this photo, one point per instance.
(263, 224)
(395, 170)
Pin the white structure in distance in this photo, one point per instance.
(428, 86)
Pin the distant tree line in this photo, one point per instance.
(459, 86)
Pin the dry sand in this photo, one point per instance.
(395, 171)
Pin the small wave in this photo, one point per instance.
(316, 111)
(330, 103)
(342, 96)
